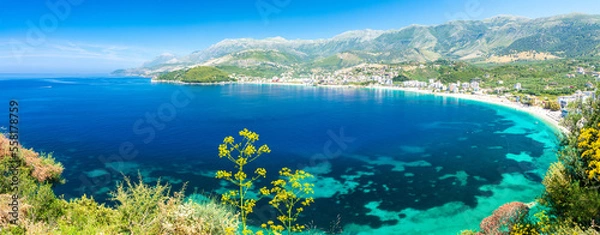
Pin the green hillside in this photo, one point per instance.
(263, 71)
(572, 37)
(202, 74)
(342, 60)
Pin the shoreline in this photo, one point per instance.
(539, 113)
(190, 83)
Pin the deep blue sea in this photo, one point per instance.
(386, 162)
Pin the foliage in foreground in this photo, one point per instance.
(289, 194)
(573, 184)
(141, 208)
(151, 210)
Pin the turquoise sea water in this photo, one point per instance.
(386, 162)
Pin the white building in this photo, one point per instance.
(414, 83)
(475, 86)
(465, 86)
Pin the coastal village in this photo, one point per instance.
(384, 76)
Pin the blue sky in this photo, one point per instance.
(98, 36)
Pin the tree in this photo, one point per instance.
(552, 105)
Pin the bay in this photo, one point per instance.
(385, 161)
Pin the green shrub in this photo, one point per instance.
(144, 209)
(568, 199)
(140, 206)
(85, 216)
(574, 166)
(566, 227)
(13, 230)
(556, 182)
(552, 105)
(207, 218)
(24, 176)
(583, 204)
(45, 206)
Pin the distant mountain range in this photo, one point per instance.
(565, 36)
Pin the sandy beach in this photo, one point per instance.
(547, 116)
(190, 83)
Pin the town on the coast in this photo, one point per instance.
(391, 77)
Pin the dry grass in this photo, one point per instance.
(5, 200)
(208, 218)
(44, 168)
(525, 55)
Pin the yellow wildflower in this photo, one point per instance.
(264, 191)
(228, 140)
(264, 149)
(279, 182)
(240, 176)
(223, 175)
(223, 151)
(241, 161)
(261, 171)
(249, 150)
(285, 172)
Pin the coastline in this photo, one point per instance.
(537, 112)
(190, 83)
